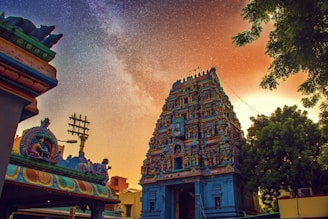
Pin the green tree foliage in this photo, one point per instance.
(280, 153)
(323, 158)
(322, 179)
(297, 43)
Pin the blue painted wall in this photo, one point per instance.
(206, 190)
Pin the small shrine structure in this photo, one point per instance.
(191, 168)
(37, 176)
(25, 74)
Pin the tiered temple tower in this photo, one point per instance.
(191, 168)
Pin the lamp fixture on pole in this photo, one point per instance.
(68, 141)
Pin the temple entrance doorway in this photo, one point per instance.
(184, 201)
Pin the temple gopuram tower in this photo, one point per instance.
(191, 168)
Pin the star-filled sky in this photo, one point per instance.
(118, 60)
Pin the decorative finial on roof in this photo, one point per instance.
(45, 123)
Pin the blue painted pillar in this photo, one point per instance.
(231, 190)
(97, 210)
(162, 200)
(197, 200)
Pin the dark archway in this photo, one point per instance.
(184, 201)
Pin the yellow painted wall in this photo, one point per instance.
(304, 207)
(132, 198)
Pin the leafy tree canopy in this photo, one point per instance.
(297, 43)
(280, 153)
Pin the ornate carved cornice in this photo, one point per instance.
(26, 42)
(24, 69)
